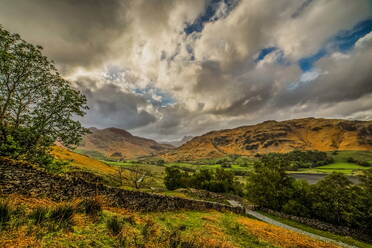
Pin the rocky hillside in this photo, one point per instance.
(118, 143)
(274, 136)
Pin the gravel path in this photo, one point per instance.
(277, 223)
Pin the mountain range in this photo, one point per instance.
(278, 136)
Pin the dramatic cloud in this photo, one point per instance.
(111, 106)
(167, 68)
(73, 33)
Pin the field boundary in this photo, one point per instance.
(20, 177)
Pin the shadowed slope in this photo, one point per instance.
(115, 142)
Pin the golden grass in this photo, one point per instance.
(18, 238)
(82, 161)
(280, 236)
(16, 200)
(207, 231)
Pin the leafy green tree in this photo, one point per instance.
(174, 178)
(37, 106)
(366, 195)
(269, 186)
(219, 180)
(299, 203)
(335, 199)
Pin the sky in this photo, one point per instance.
(164, 69)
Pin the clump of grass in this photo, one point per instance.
(148, 229)
(130, 219)
(90, 207)
(62, 214)
(5, 213)
(114, 225)
(175, 239)
(39, 215)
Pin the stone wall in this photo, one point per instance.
(341, 230)
(23, 178)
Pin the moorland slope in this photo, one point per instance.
(275, 136)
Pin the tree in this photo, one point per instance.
(37, 106)
(269, 186)
(218, 180)
(335, 199)
(174, 178)
(136, 177)
(366, 185)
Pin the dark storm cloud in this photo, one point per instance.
(110, 106)
(72, 32)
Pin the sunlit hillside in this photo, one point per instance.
(82, 161)
(275, 136)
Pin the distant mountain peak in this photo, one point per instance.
(118, 131)
(112, 140)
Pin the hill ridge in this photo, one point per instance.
(278, 136)
(119, 143)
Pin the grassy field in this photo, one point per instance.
(341, 164)
(36, 222)
(344, 239)
(340, 167)
(342, 156)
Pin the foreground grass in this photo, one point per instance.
(344, 239)
(43, 223)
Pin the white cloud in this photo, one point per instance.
(126, 47)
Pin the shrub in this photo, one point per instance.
(351, 160)
(5, 213)
(114, 225)
(39, 215)
(90, 207)
(363, 163)
(63, 213)
(217, 180)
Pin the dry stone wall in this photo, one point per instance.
(24, 178)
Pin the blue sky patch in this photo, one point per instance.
(343, 41)
(198, 24)
(306, 64)
(150, 92)
(262, 54)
